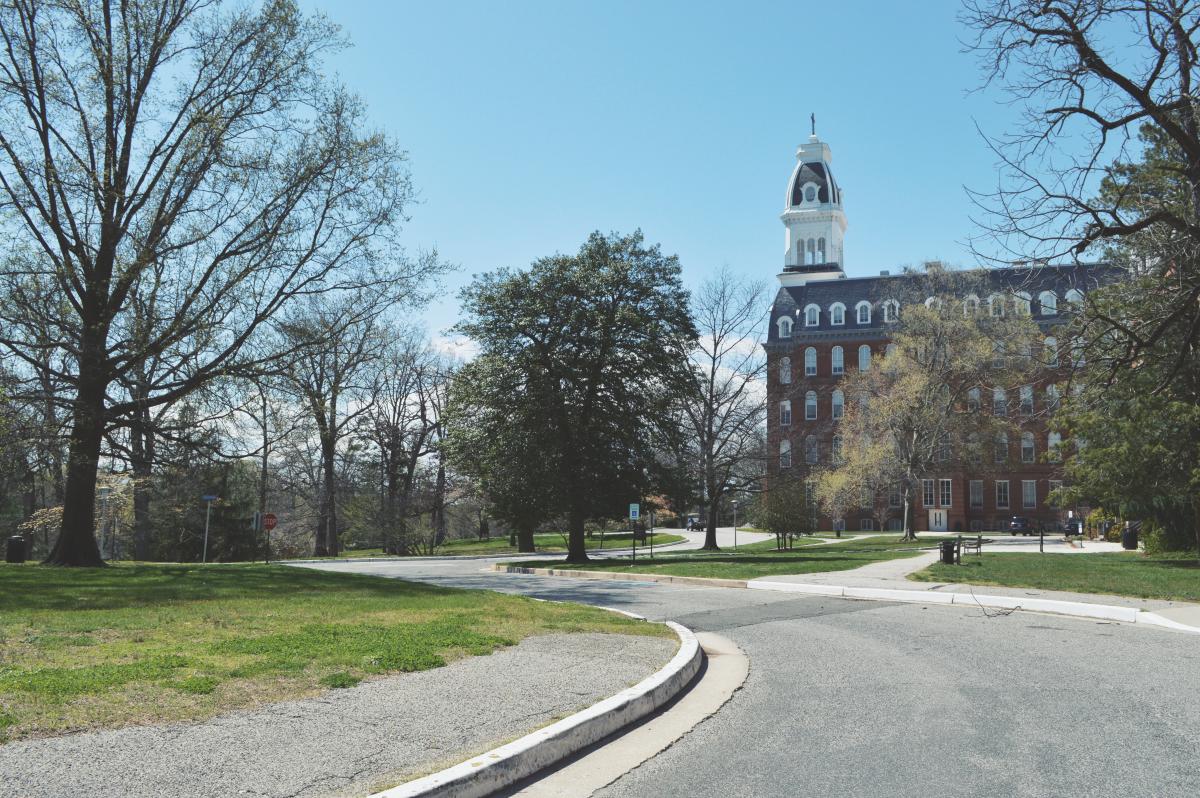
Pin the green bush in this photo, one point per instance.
(1159, 539)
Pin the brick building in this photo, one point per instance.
(824, 325)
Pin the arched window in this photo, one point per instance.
(1026, 397)
(839, 404)
(837, 314)
(1001, 452)
(821, 251)
(784, 323)
(1052, 398)
(1077, 352)
(1053, 446)
(785, 413)
(812, 251)
(1050, 352)
(891, 311)
(973, 400)
(864, 358)
(863, 311)
(1027, 452)
(838, 359)
(812, 316)
(971, 305)
(785, 371)
(810, 362)
(999, 402)
(1074, 297)
(835, 449)
(998, 352)
(996, 305)
(1048, 301)
(810, 406)
(974, 452)
(933, 303)
(810, 450)
(785, 454)
(1022, 304)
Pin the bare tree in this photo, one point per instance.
(187, 157)
(1088, 77)
(726, 411)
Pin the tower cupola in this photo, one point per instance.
(813, 218)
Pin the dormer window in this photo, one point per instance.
(996, 305)
(1022, 304)
(812, 316)
(784, 323)
(863, 309)
(891, 311)
(837, 314)
(971, 305)
(1049, 303)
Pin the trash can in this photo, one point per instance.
(1129, 538)
(15, 552)
(948, 552)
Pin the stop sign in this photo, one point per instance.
(269, 520)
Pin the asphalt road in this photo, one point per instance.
(852, 698)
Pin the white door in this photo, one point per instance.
(937, 520)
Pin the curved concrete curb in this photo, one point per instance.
(1076, 609)
(508, 764)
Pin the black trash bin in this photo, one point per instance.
(1129, 538)
(948, 552)
(15, 552)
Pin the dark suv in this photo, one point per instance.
(1021, 525)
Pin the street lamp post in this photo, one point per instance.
(208, 500)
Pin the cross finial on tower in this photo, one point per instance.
(813, 119)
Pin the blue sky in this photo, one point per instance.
(530, 124)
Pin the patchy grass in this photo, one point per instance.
(107, 647)
(1174, 577)
(751, 564)
(550, 543)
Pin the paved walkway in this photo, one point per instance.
(892, 574)
(344, 742)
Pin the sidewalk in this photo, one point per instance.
(344, 742)
(892, 575)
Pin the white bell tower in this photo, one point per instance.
(813, 219)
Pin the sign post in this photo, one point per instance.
(635, 510)
(208, 499)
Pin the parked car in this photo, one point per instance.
(1020, 524)
(695, 525)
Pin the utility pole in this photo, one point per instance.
(208, 499)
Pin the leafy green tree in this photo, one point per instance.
(581, 358)
(785, 508)
(932, 399)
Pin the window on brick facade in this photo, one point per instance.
(785, 454)
(835, 449)
(864, 358)
(1050, 351)
(1026, 397)
(927, 493)
(838, 360)
(810, 406)
(1052, 398)
(1001, 494)
(1028, 455)
(977, 493)
(1001, 448)
(839, 404)
(973, 400)
(894, 496)
(785, 371)
(1029, 493)
(810, 450)
(945, 492)
(999, 402)
(810, 362)
(1054, 446)
(785, 412)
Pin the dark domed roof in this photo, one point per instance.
(818, 173)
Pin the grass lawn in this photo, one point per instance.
(747, 563)
(86, 648)
(549, 543)
(1168, 576)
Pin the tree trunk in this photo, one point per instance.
(710, 529)
(525, 541)
(576, 544)
(909, 534)
(76, 544)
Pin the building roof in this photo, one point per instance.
(850, 291)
